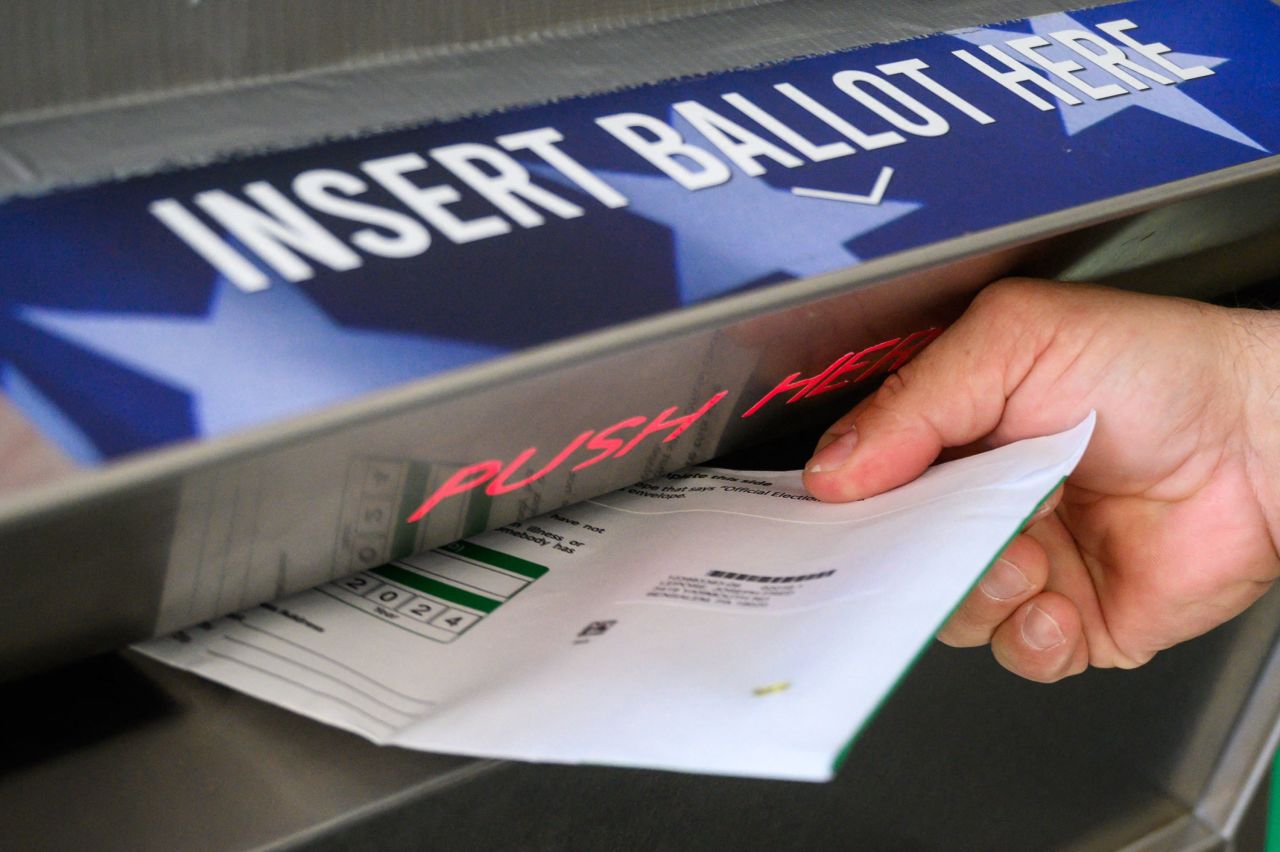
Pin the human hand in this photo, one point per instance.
(1168, 526)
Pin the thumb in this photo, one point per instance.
(953, 393)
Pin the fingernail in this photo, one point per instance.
(1004, 581)
(834, 454)
(1040, 631)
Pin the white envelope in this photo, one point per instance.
(708, 621)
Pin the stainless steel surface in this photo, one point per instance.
(1244, 762)
(122, 753)
(612, 48)
(72, 55)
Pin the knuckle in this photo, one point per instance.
(974, 622)
(1010, 291)
(894, 386)
(950, 635)
(959, 634)
(1006, 305)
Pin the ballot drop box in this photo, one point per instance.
(291, 291)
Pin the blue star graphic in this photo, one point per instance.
(256, 357)
(1166, 100)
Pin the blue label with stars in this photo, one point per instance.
(197, 302)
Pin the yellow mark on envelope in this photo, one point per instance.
(771, 688)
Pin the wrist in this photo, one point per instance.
(1255, 367)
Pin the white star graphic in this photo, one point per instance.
(1166, 100)
(744, 229)
(256, 357)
